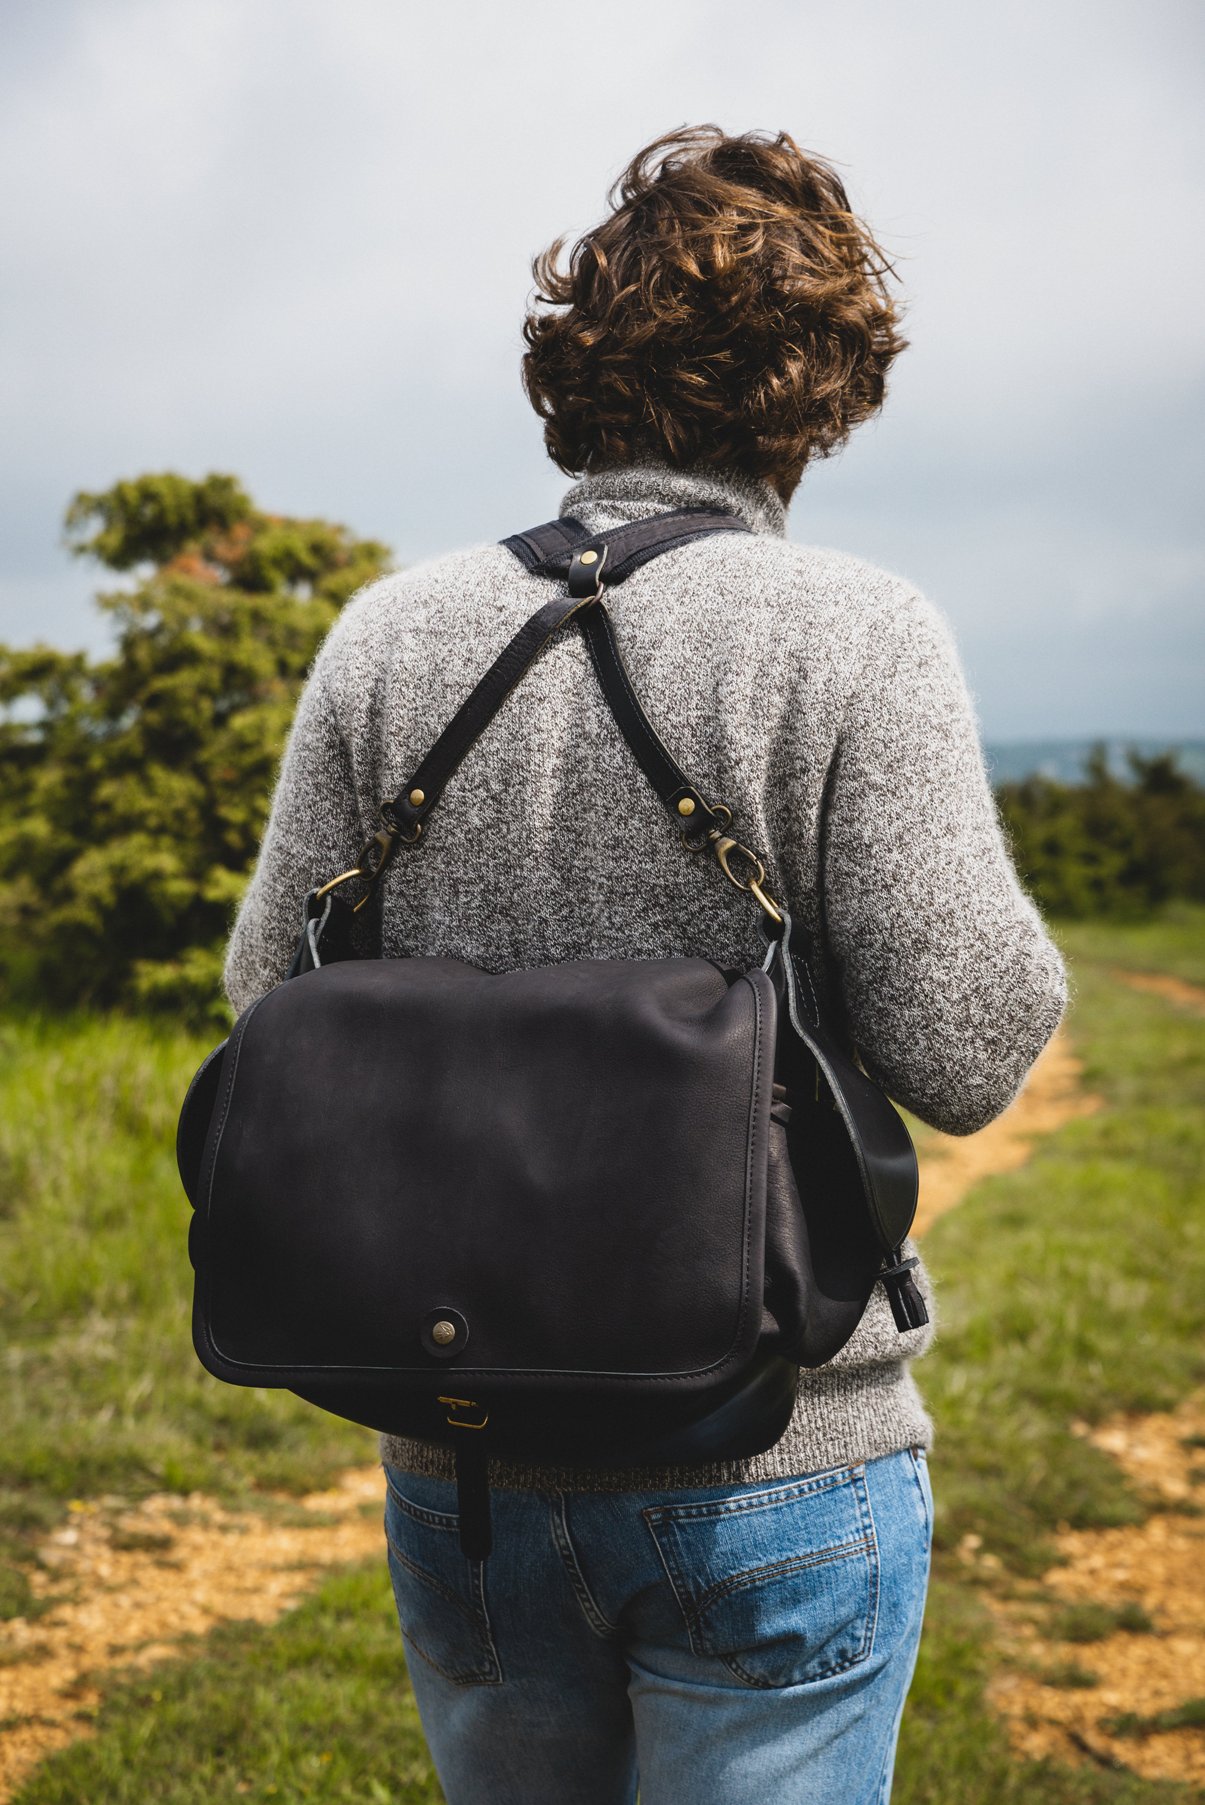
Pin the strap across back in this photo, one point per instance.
(588, 562)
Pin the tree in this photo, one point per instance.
(1108, 846)
(134, 789)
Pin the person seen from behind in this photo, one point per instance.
(745, 1631)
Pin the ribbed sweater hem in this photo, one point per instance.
(841, 1417)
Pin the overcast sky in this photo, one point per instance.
(292, 239)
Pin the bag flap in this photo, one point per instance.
(565, 1164)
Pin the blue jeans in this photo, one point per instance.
(727, 1646)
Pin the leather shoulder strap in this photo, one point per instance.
(564, 547)
(412, 804)
(556, 550)
(548, 550)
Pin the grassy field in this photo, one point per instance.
(1071, 1289)
(102, 1393)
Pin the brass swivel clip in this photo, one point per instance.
(752, 880)
(374, 856)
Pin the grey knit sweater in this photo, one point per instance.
(822, 699)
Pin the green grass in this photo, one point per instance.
(954, 1752)
(1091, 1622)
(1172, 942)
(1188, 1716)
(1070, 1289)
(102, 1391)
(315, 1709)
(1070, 1674)
(1074, 1287)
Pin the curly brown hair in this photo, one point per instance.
(730, 312)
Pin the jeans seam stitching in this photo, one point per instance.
(763, 1500)
(674, 1575)
(470, 1611)
(874, 1563)
(794, 1564)
(470, 1676)
(925, 1513)
(483, 1608)
(437, 1519)
(475, 1616)
(599, 1623)
(823, 1673)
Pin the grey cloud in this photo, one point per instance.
(293, 241)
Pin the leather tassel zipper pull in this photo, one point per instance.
(907, 1304)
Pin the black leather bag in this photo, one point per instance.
(595, 1213)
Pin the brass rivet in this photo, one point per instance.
(417, 798)
(443, 1332)
(589, 557)
(686, 806)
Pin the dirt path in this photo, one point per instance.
(1053, 1095)
(132, 1583)
(1154, 1568)
(129, 1584)
(1172, 990)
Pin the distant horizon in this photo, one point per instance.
(1062, 759)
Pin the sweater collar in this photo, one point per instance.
(632, 491)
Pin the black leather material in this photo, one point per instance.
(325, 937)
(876, 1157)
(392, 1137)
(476, 713)
(547, 550)
(557, 548)
(663, 771)
(196, 1114)
(739, 1417)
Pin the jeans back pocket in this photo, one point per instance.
(440, 1595)
(781, 1584)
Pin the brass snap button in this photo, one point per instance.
(444, 1332)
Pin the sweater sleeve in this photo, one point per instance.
(314, 831)
(950, 983)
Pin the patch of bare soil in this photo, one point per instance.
(1172, 990)
(1155, 1568)
(950, 1166)
(129, 1584)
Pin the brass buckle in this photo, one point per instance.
(457, 1422)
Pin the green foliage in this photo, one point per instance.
(134, 789)
(1171, 943)
(1108, 847)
